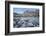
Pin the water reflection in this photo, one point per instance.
(19, 22)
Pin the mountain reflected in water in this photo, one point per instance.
(26, 22)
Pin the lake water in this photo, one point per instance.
(21, 22)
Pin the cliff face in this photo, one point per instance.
(34, 12)
(31, 11)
